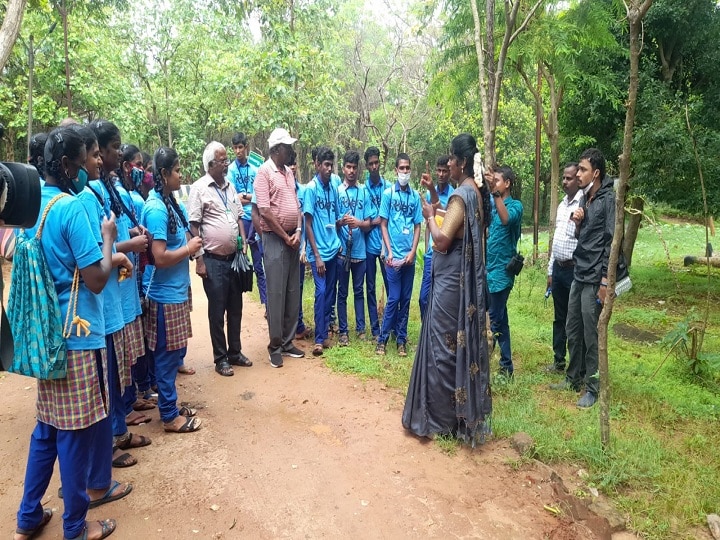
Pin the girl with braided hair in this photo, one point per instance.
(167, 318)
(70, 411)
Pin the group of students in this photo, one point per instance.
(113, 216)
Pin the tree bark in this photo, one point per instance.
(637, 205)
(636, 11)
(10, 29)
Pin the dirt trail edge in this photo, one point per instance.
(296, 452)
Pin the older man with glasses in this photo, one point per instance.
(214, 215)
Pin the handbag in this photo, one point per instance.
(34, 310)
(515, 265)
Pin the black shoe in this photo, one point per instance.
(565, 385)
(224, 369)
(504, 372)
(555, 369)
(587, 400)
(276, 360)
(242, 361)
(294, 352)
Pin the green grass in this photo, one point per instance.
(661, 468)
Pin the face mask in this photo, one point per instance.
(587, 188)
(137, 176)
(80, 181)
(403, 178)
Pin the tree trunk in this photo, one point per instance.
(637, 205)
(64, 16)
(553, 132)
(635, 14)
(10, 29)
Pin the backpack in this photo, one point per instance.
(34, 310)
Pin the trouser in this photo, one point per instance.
(256, 250)
(72, 449)
(100, 459)
(425, 285)
(357, 269)
(582, 335)
(562, 278)
(144, 372)
(301, 323)
(283, 292)
(118, 409)
(397, 310)
(371, 265)
(222, 288)
(325, 287)
(166, 366)
(500, 326)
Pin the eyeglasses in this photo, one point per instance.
(221, 161)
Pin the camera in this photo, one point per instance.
(19, 194)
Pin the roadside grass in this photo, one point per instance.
(662, 468)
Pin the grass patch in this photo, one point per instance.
(661, 468)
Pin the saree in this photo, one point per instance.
(449, 391)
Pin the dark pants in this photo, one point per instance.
(562, 278)
(301, 323)
(397, 310)
(425, 285)
(256, 250)
(100, 458)
(222, 287)
(117, 410)
(283, 267)
(166, 366)
(371, 266)
(500, 326)
(325, 294)
(582, 335)
(357, 269)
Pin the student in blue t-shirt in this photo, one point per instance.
(241, 174)
(302, 331)
(323, 243)
(438, 196)
(70, 411)
(375, 187)
(168, 314)
(354, 209)
(401, 214)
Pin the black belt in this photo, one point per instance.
(565, 264)
(289, 233)
(219, 257)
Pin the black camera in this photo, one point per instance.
(19, 194)
(515, 265)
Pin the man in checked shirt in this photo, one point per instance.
(561, 265)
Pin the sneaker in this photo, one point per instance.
(294, 352)
(276, 360)
(587, 400)
(380, 349)
(565, 385)
(344, 341)
(401, 349)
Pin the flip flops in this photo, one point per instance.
(143, 405)
(112, 494)
(191, 424)
(31, 533)
(107, 527)
(131, 440)
(136, 419)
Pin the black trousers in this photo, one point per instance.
(562, 278)
(222, 288)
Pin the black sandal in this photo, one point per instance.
(187, 412)
(224, 369)
(31, 533)
(190, 425)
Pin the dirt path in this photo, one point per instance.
(297, 452)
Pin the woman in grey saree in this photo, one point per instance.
(449, 391)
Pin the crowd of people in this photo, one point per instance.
(132, 242)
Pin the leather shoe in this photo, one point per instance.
(242, 361)
(587, 400)
(224, 369)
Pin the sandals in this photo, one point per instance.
(187, 412)
(186, 370)
(344, 340)
(191, 424)
(224, 369)
(242, 361)
(31, 533)
(109, 496)
(131, 440)
(317, 349)
(143, 405)
(107, 527)
(124, 460)
(137, 419)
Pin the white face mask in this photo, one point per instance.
(403, 178)
(587, 188)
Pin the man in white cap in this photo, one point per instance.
(281, 225)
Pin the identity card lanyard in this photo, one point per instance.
(244, 179)
(407, 220)
(352, 205)
(331, 222)
(224, 200)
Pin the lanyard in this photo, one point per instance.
(327, 196)
(407, 220)
(374, 198)
(223, 199)
(352, 205)
(244, 179)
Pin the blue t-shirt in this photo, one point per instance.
(321, 202)
(243, 178)
(501, 245)
(168, 285)
(138, 203)
(444, 197)
(353, 200)
(373, 238)
(112, 300)
(66, 245)
(403, 211)
(300, 191)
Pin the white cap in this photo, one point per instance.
(280, 136)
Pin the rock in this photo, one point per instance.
(713, 521)
(605, 510)
(214, 507)
(523, 444)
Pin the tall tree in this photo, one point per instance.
(10, 28)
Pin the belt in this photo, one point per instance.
(289, 233)
(219, 257)
(565, 264)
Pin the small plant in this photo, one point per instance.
(447, 444)
(685, 340)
